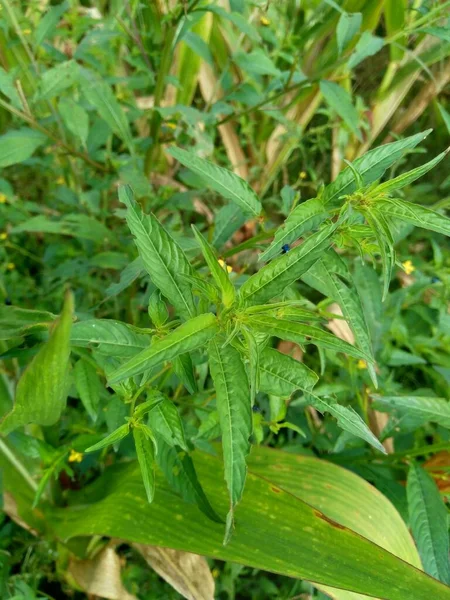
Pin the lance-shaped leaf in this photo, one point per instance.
(435, 410)
(281, 375)
(165, 420)
(179, 470)
(380, 227)
(109, 337)
(299, 333)
(371, 167)
(305, 217)
(163, 258)
(429, 523)
(347, 419)
(417, 215)
(406, 178)
(88, 386)
(145, 452)
(114, 437)
(340, 101)
(226, 183)
(348, 299)
(235, 416)
(183, 367)
(187, 337)
(42, 389)
(217, 270)
(274, 277)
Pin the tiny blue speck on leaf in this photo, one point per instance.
(285, 249)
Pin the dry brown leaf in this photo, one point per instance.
(187, 573)
(100, 576)
(339, 327)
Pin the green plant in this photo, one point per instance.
(213, 318)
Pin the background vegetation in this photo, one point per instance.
(108, 111)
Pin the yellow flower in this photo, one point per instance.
(11, 266)
(75, 456)
(26, 31)
(60, 180)
(361, 364)
(3, 235)
(408, 267)
(3, 199)
(303, 174)
(224, 265)
(264, 21)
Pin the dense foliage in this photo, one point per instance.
(224, 285)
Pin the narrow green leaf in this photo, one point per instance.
(282, 375)
(48, 23)
(218, 272)
(183, 367)
(371, 167)
(56, 80)
(15, 321)
(42, 389)
(340, 101)
(224, 182)
(274, 277)
(75, 118)
(304, 218)
(146, 456)
(417, 215)
(98, 93)
(179, 470)
(19, 144)
(347, 27)
(348, 419)
(165, 420)
(154, 398)
(429, 523)
(303, 334)
(114, 437)
(254, 352)
(377, 221)
(367, 45)
(88, 386)
(348, 299)
(406, 178)
(187, 337)
(235, 416)
(157, 309)
(163, 258)
(109, 337)
(227, 221)
(435, 410)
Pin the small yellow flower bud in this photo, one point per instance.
(3, 199)
(224, 265)
(408, 267)
(361, 364)
(26, 31)
(11, 266)
(264, 21)
(3, 236)
(60, 180)
(75, 456)
(171, 125)
(303, 174)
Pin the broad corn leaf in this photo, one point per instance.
(187, 337)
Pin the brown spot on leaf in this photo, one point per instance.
(328, 520)
(275, 489)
